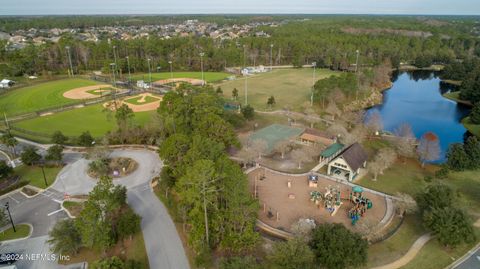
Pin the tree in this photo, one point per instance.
(58, 138)
(383, 160)
(472, 149)
(475, 114)
(406, 203)
(292, 254)
(235, 94)
(248, 112)
(124, 115)
(128, 224)
(301, 156)
(260, 147)
(109, 263)
(9, 140)
(30, 156)
(3, 218)
(282, 147)
(429, 148)
(451, 225)
(271, 101)
(335, 247)
(457, 158)
(404, 141)
(333, 110)
(374, 121)
(65, 238)
(435, 196)
(219, 90)
(85, 139)
(55, 154)
(240, 263)
(5, 171)
(248, 155)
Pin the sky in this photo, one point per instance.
(81, 7)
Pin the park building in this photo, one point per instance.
(349, 163)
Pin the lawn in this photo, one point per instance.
(455, 96)
(135, 100)
(73, 207)
(40, 96)
(209, 76)
(290, 87)
(397, 245)
(473, 128)
(23, 230)
(74, 122)
(34, 175)
(127, 249)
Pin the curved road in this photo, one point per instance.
(164, 248)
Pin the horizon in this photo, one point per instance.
(246, 7)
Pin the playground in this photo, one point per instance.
(284, 199)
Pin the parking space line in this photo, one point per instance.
(11, 197)
(57, 201)
(54, 212)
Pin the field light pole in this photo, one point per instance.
(128, 66)
(115, 56)
(171, 69)
(43, 172)
(7, 206)
(314, 64)
(149, 71)
(356, 62)
(271, 57)
(70, 60)
(201, 65)
(112, 66)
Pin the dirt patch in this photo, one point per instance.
(74, 208)
(88, 92)
(293, 203)
(193, 81)
(137, 107)
(29, 191)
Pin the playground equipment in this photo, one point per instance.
(360, 204)
(331, 199)
(312, 181)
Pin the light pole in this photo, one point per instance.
(43, 172)
(112, 66)
(314, 64)
(356, 62)
(115, 56)
(201, 65)
(271, 57)
(171, 69)
(69, 60)
(7, 206)
(245, 73)
(128, 66)
(149, 71)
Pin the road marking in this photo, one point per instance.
(11, 197)
(57, 201)
(54, 212)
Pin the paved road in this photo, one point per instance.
(162, 242)
(472, 262)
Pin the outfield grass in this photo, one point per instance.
(135, 100)
(209, 76)
(290, 87)
(23, 230)
(33, 174)
(74, 122)
(40, 96)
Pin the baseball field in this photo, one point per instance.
(40, 96)
(209, 76)
(74, 122)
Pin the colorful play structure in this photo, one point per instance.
(360, 204)
(331, 199)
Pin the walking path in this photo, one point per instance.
(410, 255)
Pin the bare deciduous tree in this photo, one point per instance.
(406, 203)
(374, 121)
(300, 156)
(282, 147)
(384, 159)
(333, 110)
(259, 146)
(248, 155)
(429, 148)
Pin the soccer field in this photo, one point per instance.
(40, 96)
(76, 121)
(290, 87)
(209, 76)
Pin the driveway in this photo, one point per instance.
(163, 245)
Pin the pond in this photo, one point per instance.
(416, 98)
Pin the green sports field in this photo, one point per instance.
(40, 96)
(209, 76)
(290, 87)
(76, 121)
